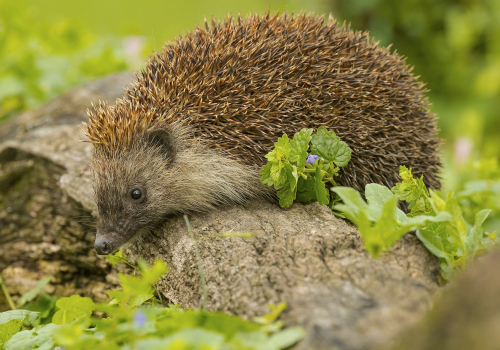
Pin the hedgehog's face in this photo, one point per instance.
(162, 173)
(130, 191)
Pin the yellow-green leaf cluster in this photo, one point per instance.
(302, 175)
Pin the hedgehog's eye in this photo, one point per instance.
(136, 194)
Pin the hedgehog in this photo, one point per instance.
(192, 131)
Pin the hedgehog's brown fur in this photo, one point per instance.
(238, 85)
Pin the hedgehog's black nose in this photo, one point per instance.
(102, 246)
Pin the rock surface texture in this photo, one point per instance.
(303, 256)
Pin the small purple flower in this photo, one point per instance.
(139, 319)
(311, 159)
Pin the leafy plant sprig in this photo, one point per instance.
(304, 175)
(380, 222)
(439, 222)
(301, 175)
(453, 241)
(131, 324)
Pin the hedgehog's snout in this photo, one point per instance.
(102, 246)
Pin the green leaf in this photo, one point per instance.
(376, 196)
(131, 300)
(278, 174)
(187, 338)
(275, 312)
(281, 150)
(29, 296)
(8, 329)
(329, 147)
(69, 334)
(23, 315)
(456, 230)
(117, 258)
(139, 289)
(75, 338)
(265, 175)
(279, 340)
(252, 340)
(322, 195)
(39, 338)
(381, 235)
(299, 146)
(292, 176)
(282, 147)
(352, 205)
(152, 274)
(452, 241)
(286, 338)
(45, 305)
(286, 196)
(213, 321)
(414, 192)
(474, 242)
(379, 221)
(306, 190)
(72, 308)
(431, 237)
(480, 194)
(434, 244)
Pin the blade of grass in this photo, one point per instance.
(200, 267)
(7, 294)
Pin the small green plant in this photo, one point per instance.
(302, 168)
(379, 221)
(136, 319)
(453, 241)
(302, 174)
(438, 222)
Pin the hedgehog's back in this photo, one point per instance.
(242, 83)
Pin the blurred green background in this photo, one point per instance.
(49, 46)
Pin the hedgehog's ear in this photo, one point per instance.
(162, 138)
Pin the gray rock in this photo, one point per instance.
(303, 256)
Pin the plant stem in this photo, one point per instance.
(7, 295)
(200, 267)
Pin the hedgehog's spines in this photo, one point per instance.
(241, 82)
